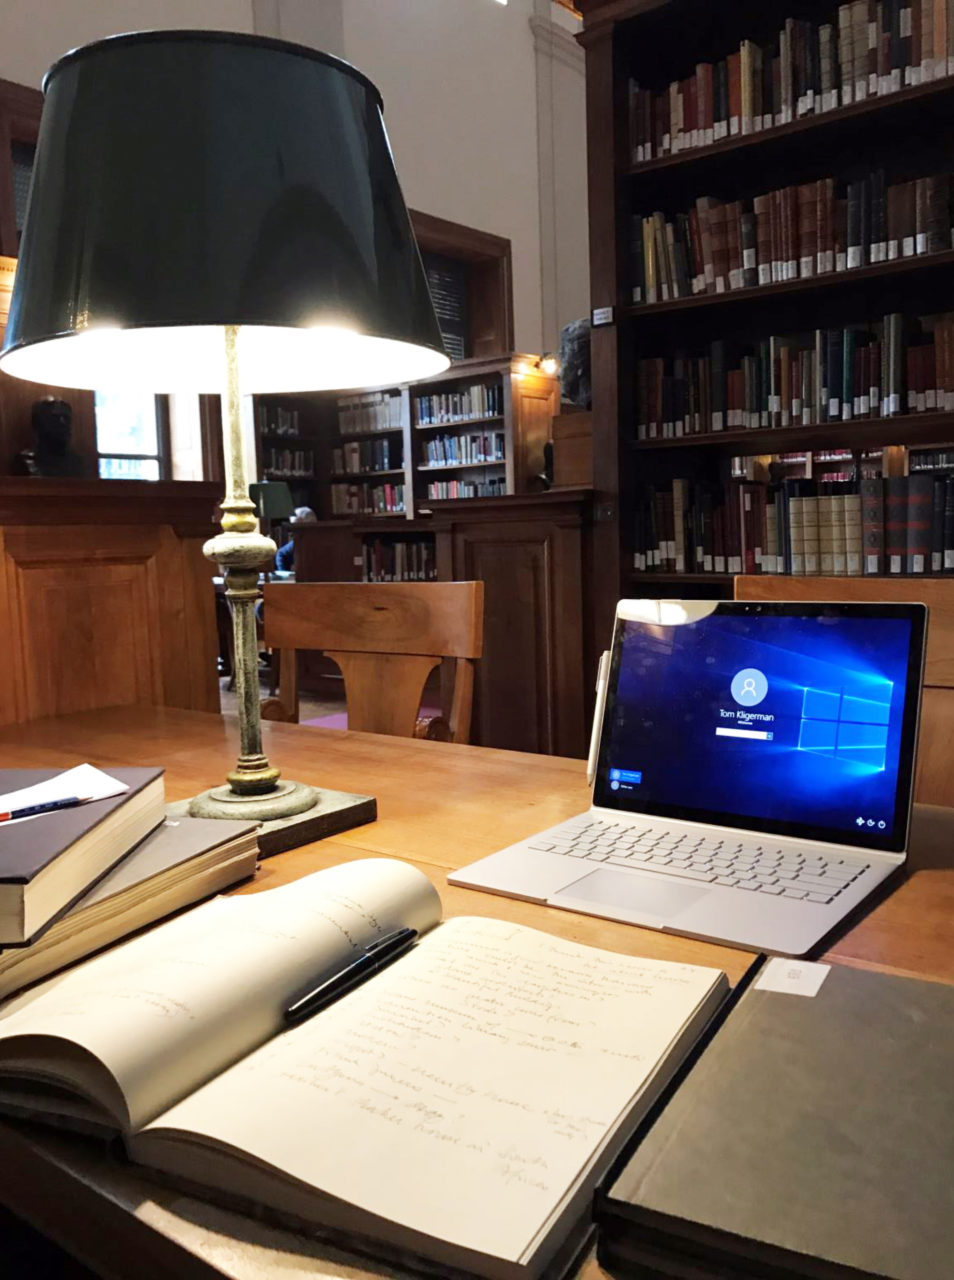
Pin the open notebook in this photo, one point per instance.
(457, 1108)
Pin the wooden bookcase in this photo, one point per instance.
(508, 437)
(522, 400)
(292, 435)
(907, 133)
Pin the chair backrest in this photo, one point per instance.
(386, 638)
(934, 781)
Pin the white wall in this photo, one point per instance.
(34, 33)
(457, 78)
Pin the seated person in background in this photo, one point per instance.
(285, 555)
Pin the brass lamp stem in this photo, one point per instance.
(243, 552)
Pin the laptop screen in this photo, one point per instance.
(798, 719)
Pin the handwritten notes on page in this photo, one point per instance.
(169, 1009)
(463, 1090)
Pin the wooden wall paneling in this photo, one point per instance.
(329, 551)
(185, 594)
(99, 607)
(535, 399)
(12, 673)
(87, 615)
(528, 694)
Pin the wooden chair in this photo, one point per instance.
(934, 781)
(386, 638)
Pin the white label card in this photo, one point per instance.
(792, 977)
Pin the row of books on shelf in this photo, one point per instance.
(867, 49)
(399, 560)
(898, 365)
(488, 487)
(367, 499)
(481, 400)
(791, 233)
(371, 411)
(365, 455)
(837, 527)
(489, 446)
(276, 420)
(288, 462)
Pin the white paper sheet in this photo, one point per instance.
(85, 780)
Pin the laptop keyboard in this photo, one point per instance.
(754, 864)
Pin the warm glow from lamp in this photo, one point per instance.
(550, 365)
(272, 358)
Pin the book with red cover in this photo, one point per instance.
(895, 523)
(919, 517)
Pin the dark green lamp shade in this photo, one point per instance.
(189, 180)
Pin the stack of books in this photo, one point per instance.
(869, 49)
(76, 879)
(791, 233)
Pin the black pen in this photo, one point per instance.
(374, 957)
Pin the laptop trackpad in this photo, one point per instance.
(639, 895)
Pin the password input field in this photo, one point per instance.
(761, 734)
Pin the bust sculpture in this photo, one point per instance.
(52, 453)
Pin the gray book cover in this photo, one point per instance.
(815, 1133)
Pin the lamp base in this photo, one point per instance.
(284, 801)
(297, 815)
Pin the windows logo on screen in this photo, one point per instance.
(847, 727)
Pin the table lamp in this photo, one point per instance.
(217, 212)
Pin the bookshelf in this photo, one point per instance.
(291, 439)
(651, 355)
(477, 430)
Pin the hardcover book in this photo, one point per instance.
(47, 862)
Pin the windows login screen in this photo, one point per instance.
(767, 719)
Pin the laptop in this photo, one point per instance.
(753, 772)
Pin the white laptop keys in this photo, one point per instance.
(754, 767)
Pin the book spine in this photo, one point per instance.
(918, 517)
(872, 525)
(895, 524)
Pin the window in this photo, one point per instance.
(847, 727)
(130, 435)
(447, 281)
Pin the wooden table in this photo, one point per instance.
(441, 806)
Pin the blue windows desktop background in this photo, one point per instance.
(792, 720)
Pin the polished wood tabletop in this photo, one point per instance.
(440, 806)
